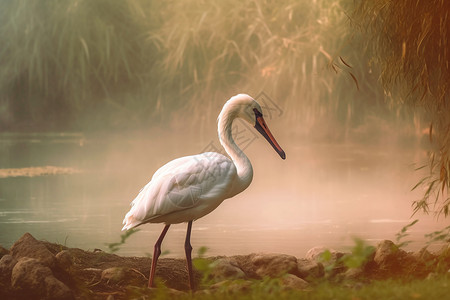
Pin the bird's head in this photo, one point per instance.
(245, 107)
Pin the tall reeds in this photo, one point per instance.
(62, 58)
(296, 51)
(140, 59)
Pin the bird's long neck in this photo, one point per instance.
(241, 161)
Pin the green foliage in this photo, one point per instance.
(204, 265)
(403, 233)
(270, 289)
(360, 254)
(439, 236)
(114, 247)
(435, 184)
(326, 259)
(325, 256)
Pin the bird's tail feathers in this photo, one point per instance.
(129, 222)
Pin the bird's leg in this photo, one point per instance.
(156, 253)
(188, 250)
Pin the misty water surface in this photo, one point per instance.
(324, 193)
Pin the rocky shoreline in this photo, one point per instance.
(42, 270)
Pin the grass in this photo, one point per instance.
(433, 288)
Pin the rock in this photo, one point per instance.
(29, 273)
(3, 251)
(31, 278)
(7, 263)
(392, 261)
(28, 246)
(317, 254)
(388, 255)
(225, 268)
(329, 258)
(310, 269)
(424, 255)
(354, 273)
(294, 282)
(57, 290)
(64, 259)
(274, 265)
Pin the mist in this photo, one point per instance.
(124, 100)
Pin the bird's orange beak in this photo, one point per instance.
(261, 126)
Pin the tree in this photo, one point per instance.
(409, 40)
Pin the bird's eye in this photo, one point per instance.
(257, 113)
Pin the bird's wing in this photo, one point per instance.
(184, 183)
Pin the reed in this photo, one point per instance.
(296, 51)
(135, 60)
(409, 40)
(63, 58)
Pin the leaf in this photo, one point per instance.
(402, 234)
(419, 183)
(201, 251)
(85, 47)
(355, 80)
(325, 256)
(420, 168)
(345, 62)
(431, 132)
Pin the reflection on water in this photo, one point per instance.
(323, 194)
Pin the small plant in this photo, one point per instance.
(439, 236)
(114, 247)
(204, 265)
(326, 259)
(359, 255)
(402, 234)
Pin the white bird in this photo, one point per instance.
(190, 187)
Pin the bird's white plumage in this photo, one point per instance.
(184, 189)
(190, 187)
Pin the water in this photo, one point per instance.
(323, 194)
